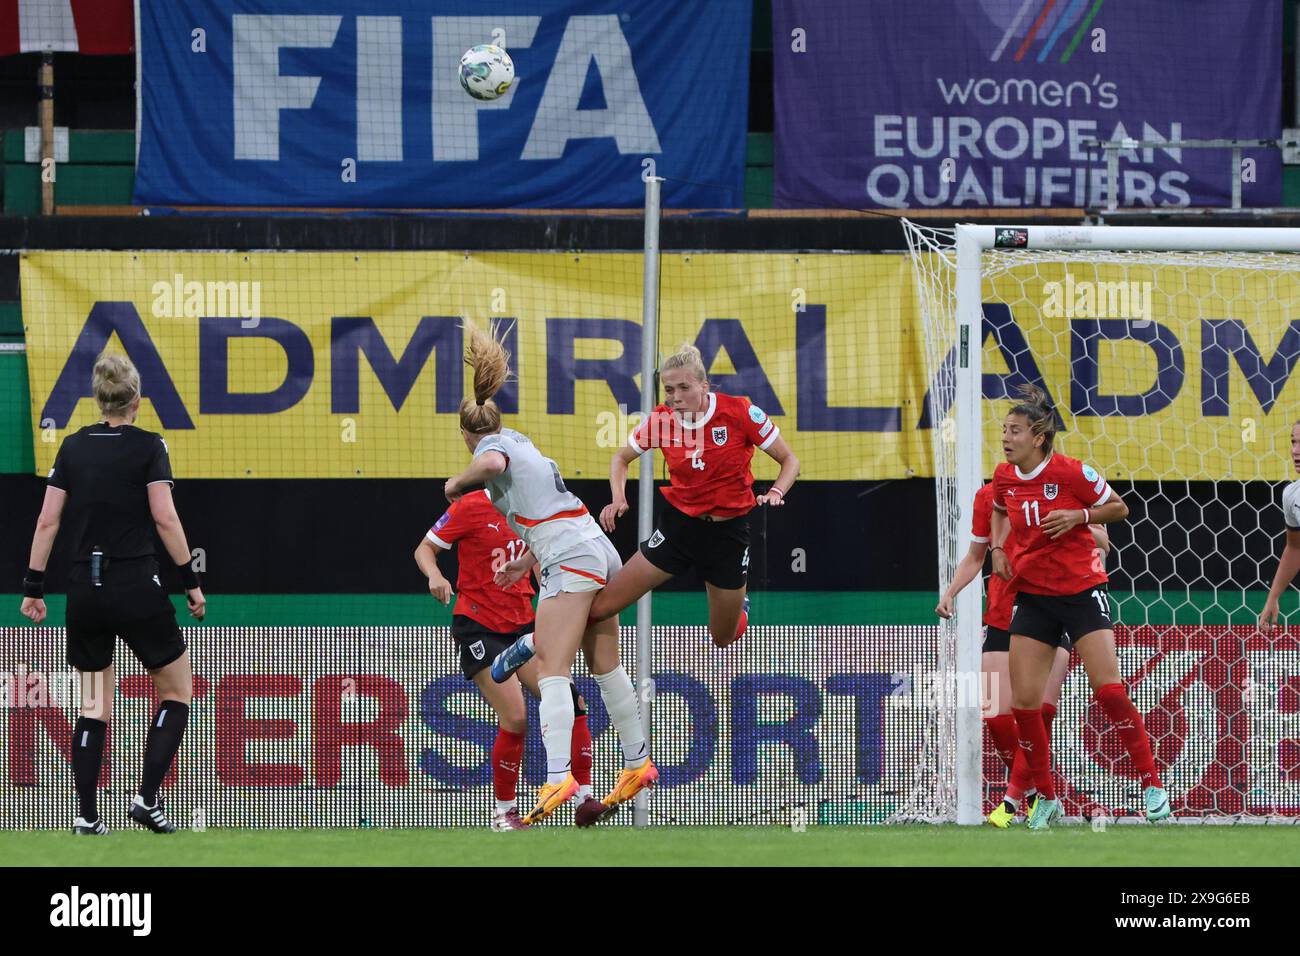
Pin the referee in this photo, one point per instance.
(111, 486)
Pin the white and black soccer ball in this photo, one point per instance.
(486, 71)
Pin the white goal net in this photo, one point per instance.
(1171, 368)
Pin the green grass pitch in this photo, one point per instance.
(919, 845)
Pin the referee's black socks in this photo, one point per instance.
(87, 754)
(165, 732)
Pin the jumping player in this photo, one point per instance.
(708, 440)
(996, 674)
(486, 620)
(1047, 501)
(575, 559)
(1288, 566)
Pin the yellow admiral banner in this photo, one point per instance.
(333, 365)
(298, 364)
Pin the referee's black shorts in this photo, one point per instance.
(1061, 619)
(719, 550)
(131, 604)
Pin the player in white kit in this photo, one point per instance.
(576, 561)
(1289, 564)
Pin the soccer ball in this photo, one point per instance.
(486, 71)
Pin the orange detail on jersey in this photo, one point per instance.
(586, 574)
(534, 522)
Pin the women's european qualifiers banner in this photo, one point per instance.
(990, 102)
(325, 103)
(343, 365)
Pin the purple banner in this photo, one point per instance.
(969, 103)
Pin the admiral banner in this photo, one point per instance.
(343, 365)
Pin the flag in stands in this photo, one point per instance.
(67, 26)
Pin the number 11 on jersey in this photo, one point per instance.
(1028, 520)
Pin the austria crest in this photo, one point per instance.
(1049, 492)
(720, 435)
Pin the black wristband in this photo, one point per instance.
(189, 579)
(997, 547)
(34, 584)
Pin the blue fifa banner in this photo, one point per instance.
(328, 103)
(974, 103)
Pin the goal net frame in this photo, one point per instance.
(957, 749)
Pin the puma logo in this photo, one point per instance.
(495, 527)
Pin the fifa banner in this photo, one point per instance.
(342, 365)
(990, 103)
(317, 103)
(341, 727)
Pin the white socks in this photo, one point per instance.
(620, 700)
(504, 805)
(556, 712)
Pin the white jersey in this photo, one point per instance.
(549, 518)
(1291, 505)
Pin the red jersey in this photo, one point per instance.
(708, 460)
(1067, 565)
(1000, 597)
(486, 543)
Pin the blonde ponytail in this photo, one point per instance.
(491, 364)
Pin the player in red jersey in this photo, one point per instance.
(996, 674)
(708, 440)
(487, 619)
(1047, 501)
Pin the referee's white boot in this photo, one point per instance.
(81, 827)
(151, 818)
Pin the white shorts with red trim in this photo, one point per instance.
(588, 567)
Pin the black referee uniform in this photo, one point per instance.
(114, 589)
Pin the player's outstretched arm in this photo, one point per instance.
(1287, 568)
(789, 462)
(617, 487)
(512, 571)
(485, 466)
(967, 569)
(1001, 530)
(426, 557)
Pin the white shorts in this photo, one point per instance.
(588, 567)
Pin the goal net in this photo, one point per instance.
(1168, 354)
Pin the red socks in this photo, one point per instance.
(1006, 740)
(507, 752)
(1124, 715)
(1036, 749)
(580, 757)
(1021, 776)
(1049, 715)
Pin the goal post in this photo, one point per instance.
(1143, 386)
